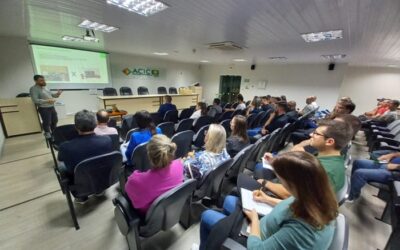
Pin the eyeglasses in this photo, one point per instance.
(316, 133)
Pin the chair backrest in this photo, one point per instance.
(394, 124)
(115, 141)
(139, 158)
(250, 120)
(129, 134)
(185, 113)
(198, 138)
(227, 106)
(340, 239)
(201, 122)
(155, 116)
(112, 123)
(282, 137)
(238, 112)
(257, 120)
(258, 145)
(343, 193)
(185, 124)
(269, 144)
(172, 90)
(239, 162)
(227, 125)
(161, 90)
(23, 95)
(225, 115)
(128, 123)
(167, 128)
(235, 105)
(171, 116)
(183, 141)
(265, 118)
(142, 90)
(109, 92)
(166, 210)
(64, 133)
(96, 174)
(211, 180)
(125, 91)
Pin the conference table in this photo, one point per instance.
(151, 103)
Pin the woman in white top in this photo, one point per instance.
(201, 110)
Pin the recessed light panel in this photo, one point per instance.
(161, 53)
(334, 57)
(239, 60)
(87, 24)
(73, 39)
(204, 61)
(278, 58)
(141, 7)
(323, 36)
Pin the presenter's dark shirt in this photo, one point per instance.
(164, 108)
(85, 146)
(277, 122)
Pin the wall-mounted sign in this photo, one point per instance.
(141, 72)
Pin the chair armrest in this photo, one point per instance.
(384, 145)
(229, 243)
(396, 192)
(381, 133)
(389, 141)
(125, 215)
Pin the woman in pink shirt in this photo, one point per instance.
(166, 173)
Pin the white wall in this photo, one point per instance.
(2, 138)
(294, 81)
(364, 85)
(16, 72)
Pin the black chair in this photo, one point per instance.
(167, 128)
(155, 116)
(91, 176)
(227, 126)
(172, 90)
(142, 90)
(139, 159)
(129, 134)
(254, 153)
(235, 105)
(227, 106)
(128, 123)
(171, 116)
(239, 162)
(23, 95)
(198, 138)
(257, 120)
(201, 122)
(63, 133)
(238, 112)
(183, 141)
(225, 115)
(185, 124)
(125, 91)
(162, 90)
(163, 214)
(115, 142)
(186, 113)
(250, 120)
(265, 118)
(110, 92)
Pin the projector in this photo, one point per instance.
(91, 39)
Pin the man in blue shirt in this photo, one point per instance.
(167, 106)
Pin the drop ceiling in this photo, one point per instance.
(264, 28)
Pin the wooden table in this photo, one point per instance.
(151, 103)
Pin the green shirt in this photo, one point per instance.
(334, 167)
(280, 230)
(40, 95)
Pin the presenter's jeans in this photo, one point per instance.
(49, 118)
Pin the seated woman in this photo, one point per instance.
(144, 187)
(147, 130)
(203, 161)
(201, 110)
(302, 221)
(238, 139)
(254, 107)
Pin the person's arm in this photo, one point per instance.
(393, 166)
(131, 146)
(276, 188)
(300, 146)
(388, 157)
(56, 95)
(254, 223)
(260, 196)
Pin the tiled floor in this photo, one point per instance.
(34, 213)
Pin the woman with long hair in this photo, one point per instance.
(166, 173)
(201, 110)
(238, 139)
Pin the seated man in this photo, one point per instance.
(215, 109)
(292, 112)
(266, 103)
(329, 139)
(102, 127)
(363, 171)
(87, 145)
(167, 106)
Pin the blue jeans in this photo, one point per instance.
(254, 131)
(378, 153)
(210, 217)
(364, 171)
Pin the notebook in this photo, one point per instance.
(266, 164)
(248, 203)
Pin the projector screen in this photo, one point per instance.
(65, 68)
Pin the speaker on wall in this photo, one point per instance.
(253, 67)
(331, 66)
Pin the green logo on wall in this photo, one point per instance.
(141, 72)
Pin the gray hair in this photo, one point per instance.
(85, 121)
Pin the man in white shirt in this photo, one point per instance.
(102, 127)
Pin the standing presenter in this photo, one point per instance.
(44, 100)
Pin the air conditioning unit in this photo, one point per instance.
(228, 45)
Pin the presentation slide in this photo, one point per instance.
(71, 68)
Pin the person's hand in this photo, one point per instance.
(251, 215)
(264, 131)
(268, 157)
(259, 196)
(393, 166)
(387, 157)
(59, 92)
(51, 101)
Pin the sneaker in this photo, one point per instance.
(349, 201)
(195, 246)
(81, 201)
(47, 135)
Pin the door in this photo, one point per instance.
(229, 88)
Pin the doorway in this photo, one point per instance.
(229, 88)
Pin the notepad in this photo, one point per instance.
(248, 203)
(266, 164)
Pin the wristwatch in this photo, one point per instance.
(263, 183)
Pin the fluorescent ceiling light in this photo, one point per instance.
(91, 39)
(278, 58)
(239, 60)
(334, 57)
(161, 53)
(323, 36)
(73, 39)
(204, 61)
(87, 24)
(392, 65)
(141, 7)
